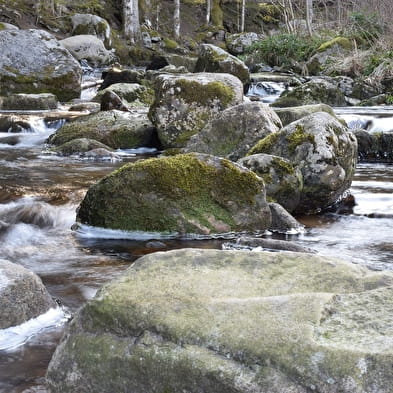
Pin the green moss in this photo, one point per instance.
(340, 41)
(282, 167)
(266, 144)
(170, 44)
(217, 14)
(158, 194)
(193, 92)
(298, 137)
(2, 26)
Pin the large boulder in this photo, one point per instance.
(184, 103)
(187, 193)
(89, 48)
(232, 322)
(131, 92)
(113, 128)
(22, 295)
(293, 113)
(324, 150)
(43, 101)
(89, 24)
(235, 130)
(237, 43)
(317, 91)
(214, 59)
(283, 181)
(33, 61)
(375, 147)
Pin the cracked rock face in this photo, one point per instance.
(232, 321)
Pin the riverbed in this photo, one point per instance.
(74, 265)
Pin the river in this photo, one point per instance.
(39, 194)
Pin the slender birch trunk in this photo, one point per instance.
(131, 24)
(208, 10)
(243, 16)
(176, 20)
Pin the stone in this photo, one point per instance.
(184, 103)
(113, 76)
(283, 180)
(89, 48)
(22, 295)
(282, 221)
(178, 195)
(214, 59)
(237, 43)
(114, 128)
(35, 102)
(316, 91)
(109, 100)
(78, 146)
(88, 24)
(129, 92)
(324, 150)
(33, 62)
(235, 130)
(374, 147)
(213, 321)
(8, 26)
(290, 114)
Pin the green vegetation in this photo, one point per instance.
(284, 49)
(298, 137)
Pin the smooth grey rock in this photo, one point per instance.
(89, 48)
(22, 295)
(290, 114)
(89, 24)
(33, 61)
(282, 221)
(232, 321)
(237, 43)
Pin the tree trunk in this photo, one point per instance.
(208, 10)
(243, 16)
(132, 27)
(309, 15)
(176, 20)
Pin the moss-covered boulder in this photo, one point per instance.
(235, 130)
(190, 193)
(290, 114)
(22, 295)
(283, 181)
(324, 150)
(232, 322)
(43, 101)
(89, 48)
(214, 59)
(327, 53)
(77, 146)
(33, 61)
(313, 92)
(113, 128)
(130, 92)
(184, 103)
(89, 24)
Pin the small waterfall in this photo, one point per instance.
(266, 91)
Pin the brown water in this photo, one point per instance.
(73, 266)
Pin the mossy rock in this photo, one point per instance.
(113, 128)
(77, 146)
(314, 92)
(213, 321)
(342, 42)
(186, 193)
(233, 131)
(133, 93)
(283, 181)
(291, 114)
(214, 59)
(324, 150)
(44, 101)
(184, 103)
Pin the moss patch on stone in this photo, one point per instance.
(265, 145)
(298, 137)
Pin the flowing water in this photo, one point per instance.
(39, 194)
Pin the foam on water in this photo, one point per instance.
(15, 336)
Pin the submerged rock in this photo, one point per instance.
(235, 130)
(33, 61)
(232, 321)
(187, 193)
(113, 128)
(77, 146)
(22, 295)
(324, 150)
(184, 103)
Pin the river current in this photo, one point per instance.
(39, 195)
